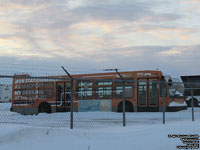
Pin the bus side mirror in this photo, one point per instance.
(170, 82)
(162, 78)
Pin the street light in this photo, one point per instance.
(123, 94)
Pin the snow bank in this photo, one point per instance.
(139, 137)
(95, 130)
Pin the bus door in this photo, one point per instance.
(147, 99)
(62, 96)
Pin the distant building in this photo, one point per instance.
(5, 92)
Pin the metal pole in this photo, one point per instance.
(71, 98)
(163, 102)
(123, 94)
(192, 104)
(71, 104)
(123, 97)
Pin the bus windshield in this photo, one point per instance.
(176, 90)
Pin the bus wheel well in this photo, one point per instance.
(189, 103)
(128, 106)
(44, 107)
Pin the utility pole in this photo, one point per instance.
(71, 97)
(123, 94)
(163, 97)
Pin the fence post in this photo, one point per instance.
(71, 104)
(163, 101)
(71, 98)
(192, 104)
(123, 96)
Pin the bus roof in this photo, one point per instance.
(114, 74)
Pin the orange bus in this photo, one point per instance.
(96, 92)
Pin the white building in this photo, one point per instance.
(5, 92)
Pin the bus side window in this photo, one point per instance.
(128, 91)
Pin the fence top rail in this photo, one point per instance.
(82, 79)
(33, 77)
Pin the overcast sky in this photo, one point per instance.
(90, 35)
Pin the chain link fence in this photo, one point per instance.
(46, 101)
(20, 98)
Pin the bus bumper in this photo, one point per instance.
(25, 111)
(176, 108)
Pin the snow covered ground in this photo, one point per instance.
(95, 130)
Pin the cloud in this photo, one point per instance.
(125, 11)
(173, 51)
(49, 19)
(165, 32)
(192, 6)
(190, 2)
(128, 34)
(175, 60)
(182, 54)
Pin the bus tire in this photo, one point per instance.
(44, 108)
(128, 107)
(189, 103)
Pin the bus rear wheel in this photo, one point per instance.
(44, 108)
(128, 107)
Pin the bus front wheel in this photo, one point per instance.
(128, 107)
(189, 103)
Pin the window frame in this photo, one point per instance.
(83, 94)
(104, 91)
(120, 96)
